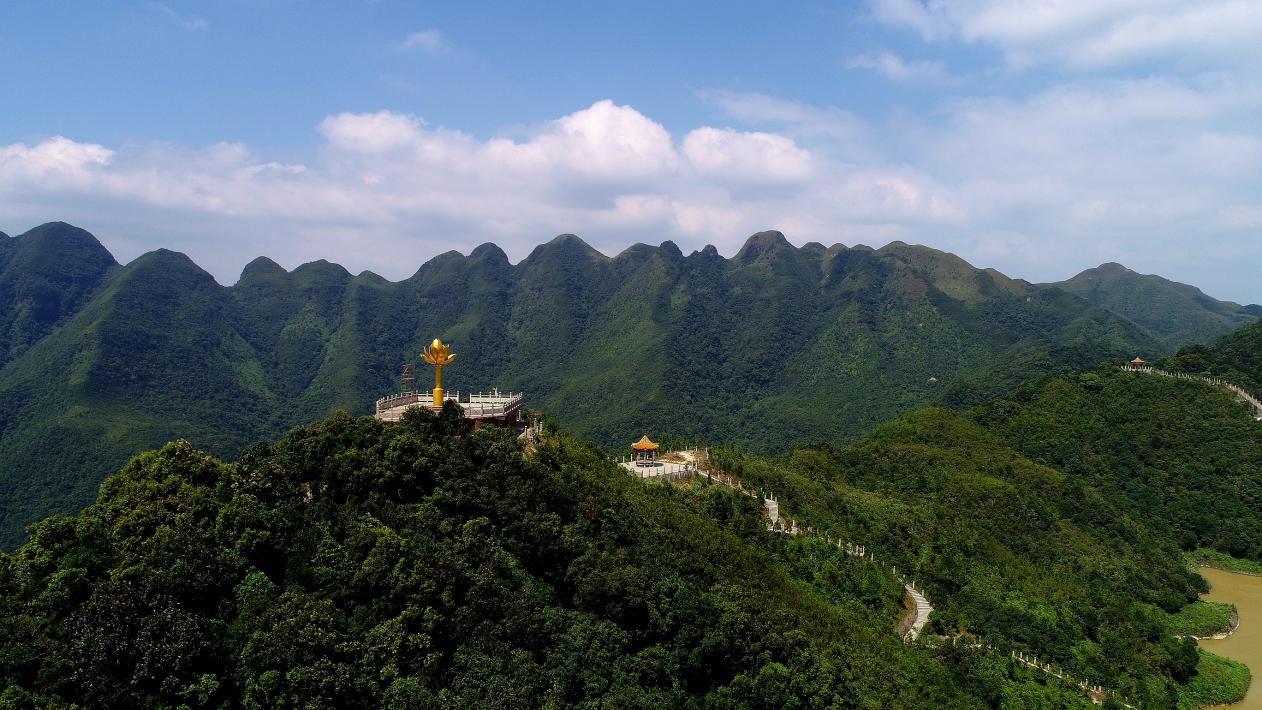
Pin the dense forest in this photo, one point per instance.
(99, 361)
(1014, 554)
(424, 565)
(1047, 505)
(357, 564)
(1183, 456)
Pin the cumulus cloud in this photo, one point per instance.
(1040, 186)
(741, 156)
(391, 179)
(57, 161)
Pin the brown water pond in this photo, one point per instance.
(1245, 645)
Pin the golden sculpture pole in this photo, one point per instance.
(438, 355)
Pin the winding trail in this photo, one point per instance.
(696, 462)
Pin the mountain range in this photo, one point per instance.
(774, 346)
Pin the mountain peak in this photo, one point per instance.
(489, 251)
(56, 245)
(569, 239)
(1108, 268)
(763, 244)
(171, 269)
(261, 266)
(1175, 312)
(566, 245)
(322, 270)
(165, 258)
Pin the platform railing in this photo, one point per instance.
(482, 404)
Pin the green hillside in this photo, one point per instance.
(1013, 554)
(1184, 456)
(354, 564)
(46, 275)
(1175, 313)
(1236, 357)
(420, 565)
(769, 349)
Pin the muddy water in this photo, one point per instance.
(1245, 645)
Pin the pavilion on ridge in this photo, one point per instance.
(644, 451)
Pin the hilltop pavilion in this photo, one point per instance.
(494, 407)
(644, 451)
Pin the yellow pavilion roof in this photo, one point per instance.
(644, 444)
(1137, 361)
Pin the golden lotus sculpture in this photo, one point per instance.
(438, 355)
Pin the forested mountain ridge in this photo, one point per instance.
(419, 565)
(355, 563)
(1175, 313)
(1236, 357)
(1014, 554)
(46, 275)
(747, 350)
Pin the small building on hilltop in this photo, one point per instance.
(644, 451)
(494, 407)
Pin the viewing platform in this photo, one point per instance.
(494, 406)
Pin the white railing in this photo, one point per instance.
(698, 464)
(477, 406)
(1235, 389)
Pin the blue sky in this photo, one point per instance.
(1040, 138)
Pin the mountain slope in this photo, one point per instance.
(775, 346)
(1236, 356)
(424, 566)
(1175, 313)
(1014, 554)
(46, 275)
(151, 357)
(1182, 455)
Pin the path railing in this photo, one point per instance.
(1240, 392)
(697, 463)
(476, 406)
(921, 607)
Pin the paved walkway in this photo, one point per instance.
(660, 469)
(921, 610)
(918, 615)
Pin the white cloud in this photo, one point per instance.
(58, 162)
(894, 67)
(405, 187)
(739, 156)
(1070, 176)
(1087, 34)
(427, 41)
(794, 117)
(371, 132)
